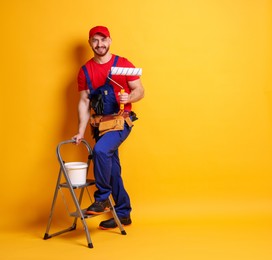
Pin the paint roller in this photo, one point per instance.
(124, 72)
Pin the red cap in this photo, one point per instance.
(99, 30)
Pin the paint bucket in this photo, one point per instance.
(77, 172)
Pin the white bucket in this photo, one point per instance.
(77, 172)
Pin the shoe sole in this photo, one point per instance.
(89, 212)
(104, 228)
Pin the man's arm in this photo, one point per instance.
(136, 94)
(83, 115)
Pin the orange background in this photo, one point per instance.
(202, 146)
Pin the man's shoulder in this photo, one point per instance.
(124, 62)
(89, 62)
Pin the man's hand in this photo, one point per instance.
(124, 97)
(78, 138)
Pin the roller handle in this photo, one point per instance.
(122, 106)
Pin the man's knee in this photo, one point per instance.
(99, 150)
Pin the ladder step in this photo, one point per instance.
(77, 215)
(89, 182)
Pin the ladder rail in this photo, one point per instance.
(80, 213)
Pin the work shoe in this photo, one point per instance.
(97, 207)
(110, 223)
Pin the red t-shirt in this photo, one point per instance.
(98, 74)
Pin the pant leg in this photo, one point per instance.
(107, 169)
(119, 194)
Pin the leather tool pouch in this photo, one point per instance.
(107, 123)
(111, 123)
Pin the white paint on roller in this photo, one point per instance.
(126, 71)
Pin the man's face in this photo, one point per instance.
(100, 44)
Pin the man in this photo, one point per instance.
(107, 169)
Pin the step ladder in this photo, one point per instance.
(77, 200)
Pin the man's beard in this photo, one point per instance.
(101, 51)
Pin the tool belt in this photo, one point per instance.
(114, 122)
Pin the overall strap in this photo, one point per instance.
(113, 65)
(89, 83)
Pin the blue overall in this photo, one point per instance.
(107, 168)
